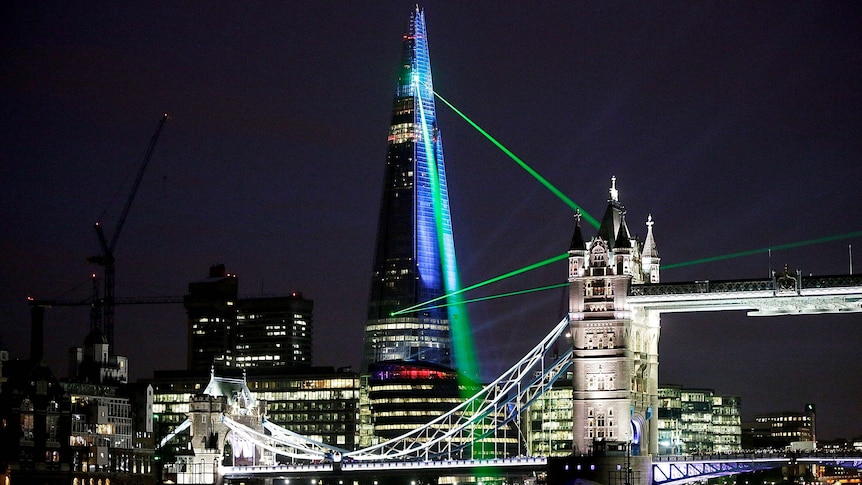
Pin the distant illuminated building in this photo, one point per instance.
(779, 430)
(549, 421)
(414, 263)
(726, 424)
(670, 420)
(258, 332)
(105, 438)
(697, 421)
(273, 332)
(405, 395)
(212, 314)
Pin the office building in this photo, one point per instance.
(548, 422)
(230, 331)
(726, 424)
(698, 421)
(425, 389)
(781, 430)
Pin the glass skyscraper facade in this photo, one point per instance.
(415, 256)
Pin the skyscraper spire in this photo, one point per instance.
(415, 256)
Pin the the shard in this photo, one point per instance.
(415, 255)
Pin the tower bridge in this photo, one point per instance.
(229, 412)
(609, 334)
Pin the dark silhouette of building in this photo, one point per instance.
(34, 416)
(85, 429)
(230, 331)
(781, 430)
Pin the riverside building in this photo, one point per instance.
(698, 421)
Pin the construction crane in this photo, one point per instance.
(106, 258)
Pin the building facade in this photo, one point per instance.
(781, 430)
(230, 331)
(698, 421)
(726, 424)
(414, 265)
(90, 428)
(549, 421)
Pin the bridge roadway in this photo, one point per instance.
(672, 470)
(666, 470)
(785, 294)
(520, 465)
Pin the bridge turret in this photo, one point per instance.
(577, 250)
(623, 250)
(649, 255)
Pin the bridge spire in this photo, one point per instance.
(649, 256)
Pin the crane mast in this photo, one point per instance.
(106, 258)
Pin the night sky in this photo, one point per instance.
(736, 125)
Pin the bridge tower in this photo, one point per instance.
(209, 435)
(615, 379)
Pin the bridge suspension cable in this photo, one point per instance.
(476, 419)
(456, 429)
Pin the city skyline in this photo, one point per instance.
(736, 129)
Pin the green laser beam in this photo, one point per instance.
(461, 335)
(548, 185)
(531, 267)
(779, 247)
(502, 295)
(750, 252)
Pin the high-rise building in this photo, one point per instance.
(696, 418)
(211, 309)
(415, 257)
(259, 332)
